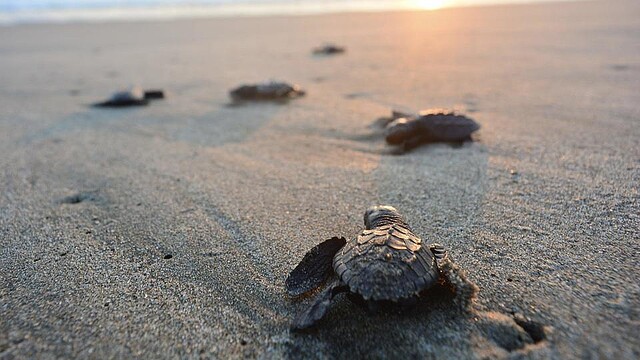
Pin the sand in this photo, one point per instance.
(168, 231)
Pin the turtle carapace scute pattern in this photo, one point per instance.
(386, 262)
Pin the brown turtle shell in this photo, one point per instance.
(431, 126)
(266, 91)
(386, 263)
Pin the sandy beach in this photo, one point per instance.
(167, 231)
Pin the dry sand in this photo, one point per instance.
(542, 210)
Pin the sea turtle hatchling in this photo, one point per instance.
(385, 264)
(434, 125)
(135, 96)
(329, 49)
(266, 91)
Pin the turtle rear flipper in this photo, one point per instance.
(154, 94)
(438, 251)
(315, 268)
(319, 307)
(455, 277)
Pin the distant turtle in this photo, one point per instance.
(434, 125)
(266, 91)
(329, 49)
(132, 97)
(385, 264)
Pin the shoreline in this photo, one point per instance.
(191, 13)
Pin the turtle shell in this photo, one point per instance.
(132, 97)
(386, 263)
(266, 91)
(442, 125)
(133, 94)
(329, 49)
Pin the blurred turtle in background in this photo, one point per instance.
(268, 91)
(428, 126)
(329, 49)
(135, 96)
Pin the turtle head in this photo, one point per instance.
(399, 130)
(381, 215)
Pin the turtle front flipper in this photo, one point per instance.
(454, 276)
(315, 268)
(414, 142)
(319, 307)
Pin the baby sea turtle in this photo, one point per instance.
(385, 264)
(132, 97)
(329, 49)
(434, 125)
(266, 91)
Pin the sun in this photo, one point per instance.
(429, 4)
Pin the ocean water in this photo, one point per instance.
(38, 11)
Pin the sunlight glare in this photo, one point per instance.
(429, 4)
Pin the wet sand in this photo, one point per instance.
(167, 231)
